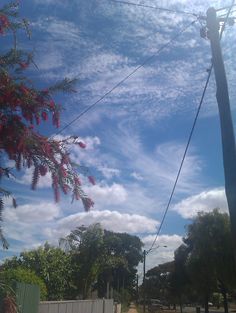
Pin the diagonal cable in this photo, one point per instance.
(124, 79)
(154, 7)
(183, 159)
(189, 139)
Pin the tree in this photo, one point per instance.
(179, 280)
(22, 108)
(125, 253)
(85, 247)
(102, 259)
(158, 282)
(210, 261)
(22, 275)
(51, 264)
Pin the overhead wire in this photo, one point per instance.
(189, 140)
(124, 79)
(225, 8)
(182, 161)
(154, 7)
(157, 247)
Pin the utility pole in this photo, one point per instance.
(227, 130)
(144, 281)
(137, 289)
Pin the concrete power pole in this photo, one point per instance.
(144, 281)
(227, 130)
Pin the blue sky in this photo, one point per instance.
(136, 136)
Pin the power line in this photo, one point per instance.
(154, 7)
(157, 247)
(225, 8)
(183, 159)
(124, 79)
(226, 19)
(189, 139)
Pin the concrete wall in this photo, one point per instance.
(77, 306)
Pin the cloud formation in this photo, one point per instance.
(205, 201)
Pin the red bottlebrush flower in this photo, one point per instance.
(77, 181)
(44, 116)
(18, 162)
(65, 159)
(63, 172)
(21, 144)
(29, 162)
(1, 172)
(23, 65)
(52, 104)
(76, 194)
(46, 91)
(43, 170)
(16, 118)
(57, 123)
(37, 118)
(82, 145)
(56, 194)
(88, 203)
(35, 178)
(65, 188)
(4, 21)
(47, 148)
(24, 90)
(56, 119)
(91, 180)
(14, 202)
(55, 180)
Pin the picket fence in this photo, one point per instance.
(77, 306)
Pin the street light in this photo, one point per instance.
(145, 253)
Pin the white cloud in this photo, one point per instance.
(52, 60)
(26, 179)
(136, 176)
(205, 201)
(106, 195)
(158, 168)
(163, 249)
(31, 213)
(33, 224)
(26, 223)
(111, 220)
(109, 172)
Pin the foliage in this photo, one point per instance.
(86, 245)
(23, 275)
(22, 108)
(210, 261)
(126, 250)
(202, 267)
(51, 264)
(7, 298)
(100, 257)
(179, 279)
(158, 282)
(90, 259)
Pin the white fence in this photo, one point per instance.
(77, 306)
